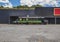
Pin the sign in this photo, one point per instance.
(56, 11)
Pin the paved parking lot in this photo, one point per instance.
(29, 33)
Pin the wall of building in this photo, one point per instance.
(48, 13)
(44, 11)
(21, 13)
(4, 16)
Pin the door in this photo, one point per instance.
(13, 18)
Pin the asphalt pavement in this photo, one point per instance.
(29, 33)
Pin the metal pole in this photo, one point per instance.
(9, 19)
(55, 20)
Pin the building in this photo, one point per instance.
(45, 13)
(9, 15)
(51, 14)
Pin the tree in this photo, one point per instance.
(1, 6)
(36, 5)
(25, 6)
(39, 5)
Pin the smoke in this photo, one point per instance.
(40, 2)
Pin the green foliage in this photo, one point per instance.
(25, 6)
(1, 6)
(22, 6)
(37, 6)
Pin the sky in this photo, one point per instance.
(45, 3)
(9, 3)
(15, 2)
